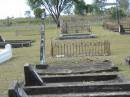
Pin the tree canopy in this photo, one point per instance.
(80, 7)
(54, 7)
(38, 12)
(124, 4)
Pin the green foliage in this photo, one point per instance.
(27, 13)
(80, 7)
(38, 12)
(124, 4)
(54, 7)
(113, 13)
(96, 9)
(98, 6)
(34, 3)
(89, 8)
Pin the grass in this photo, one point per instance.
(13, 69)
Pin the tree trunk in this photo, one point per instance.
(58, 24)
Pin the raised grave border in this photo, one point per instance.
(72, 84)
(16, 43)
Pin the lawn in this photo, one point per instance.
(13, 69)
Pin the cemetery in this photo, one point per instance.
(73, 55)
(100, 79)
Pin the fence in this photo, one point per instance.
(79, 48)
(77, 26)
(111, 26)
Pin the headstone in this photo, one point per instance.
(31, 76)
(1, 39)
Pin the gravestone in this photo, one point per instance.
(31, 76)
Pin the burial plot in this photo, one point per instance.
(75, 29)
(126, 27)
(92, 67)
(78, 48)
(111, 26)
(123, 28)
(16, 43)
(75, 84)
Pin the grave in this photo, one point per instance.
(100, 79)
(15, 43)
(111, 26)
(75, 29)
(123, 28)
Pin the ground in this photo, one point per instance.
(13, 69)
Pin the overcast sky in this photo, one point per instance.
(13, 8)
(17, 8)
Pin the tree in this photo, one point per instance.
(27, 13)
(124, 4)
(54, 7)
(99, 6)
(80, 7)
(113, 13)
(89, 8)
(38, 12)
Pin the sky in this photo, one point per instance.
(17, 8)
(13, 8)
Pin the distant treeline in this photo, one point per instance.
(24, 21)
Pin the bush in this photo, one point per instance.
(38, 12)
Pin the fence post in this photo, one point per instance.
(52, 49)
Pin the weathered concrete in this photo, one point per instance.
(96, 67)
(31, 76)
(76, 36)
(100, 79)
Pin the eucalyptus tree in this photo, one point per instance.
(80, 7)
(54, 7)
